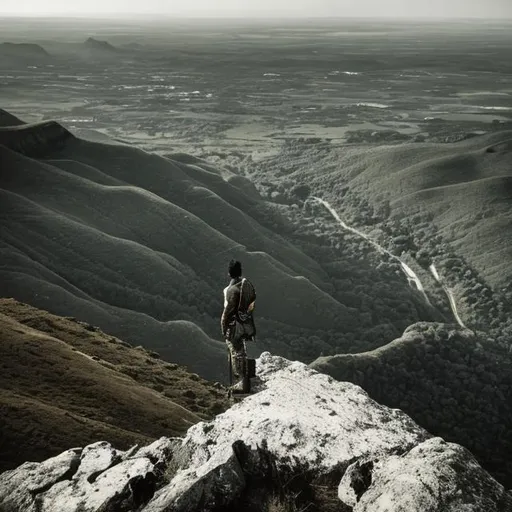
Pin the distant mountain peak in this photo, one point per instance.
(96, 44)
(23, 49)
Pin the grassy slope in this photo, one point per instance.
(65, 383)
(7, 119)
(465, 187)
(453, 383)
(476, 217)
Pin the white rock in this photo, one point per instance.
(434, 476)
(305, 418)
(82, 496)
(97, 474)
(95, 459)
(302, 418)
(19, 487)
(298, 421)
(161, 449)
(203, 488)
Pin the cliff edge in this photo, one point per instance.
(302, 440)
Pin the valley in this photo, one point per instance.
(361, 173)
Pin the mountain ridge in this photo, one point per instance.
(23, 50)
(34, 139)
(97, 45)
(8, 119)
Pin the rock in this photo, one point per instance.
(96, 458)
(298, 428)
(204, 488)
(434, 476)
(96, 478)
(19, 488)
(291, 416)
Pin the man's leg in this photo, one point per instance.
(238, 353)
(246, 379)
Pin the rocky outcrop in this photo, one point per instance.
(98, 478)
(434, 475)
(299, 429)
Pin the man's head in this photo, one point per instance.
(235, 269)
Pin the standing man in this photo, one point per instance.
(237, 324)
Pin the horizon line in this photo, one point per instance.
(158, 16)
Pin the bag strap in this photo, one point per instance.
(241, 291)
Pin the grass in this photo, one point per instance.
(65, 383)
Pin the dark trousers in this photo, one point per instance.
(237, 356)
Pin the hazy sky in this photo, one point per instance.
(266, 8)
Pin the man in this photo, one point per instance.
(237, 324)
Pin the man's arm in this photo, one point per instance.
(230, 308)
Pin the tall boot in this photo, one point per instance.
(239, 373)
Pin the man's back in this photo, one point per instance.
(239, 300)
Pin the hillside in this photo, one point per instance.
(99, 46)
(23, 51)
(7, 119)
(138, 244)
(66, 383)
(454, 383)
(328, 447)
(448, 204)
(33, 139)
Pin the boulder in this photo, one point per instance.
(97, 478)
(434, 476)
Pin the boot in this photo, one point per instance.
(240, 376)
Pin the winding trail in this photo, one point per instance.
(412, 278)
(449, 294)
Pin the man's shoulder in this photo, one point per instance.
(232, 288)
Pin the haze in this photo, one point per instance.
(264, 8)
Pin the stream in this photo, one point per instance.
(411, 276)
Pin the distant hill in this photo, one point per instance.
(66, 383)
(23, 50)
(463, 187)
(138, 244)
(33, 139)
(99, 46)
(7, 119)
(451, 382)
